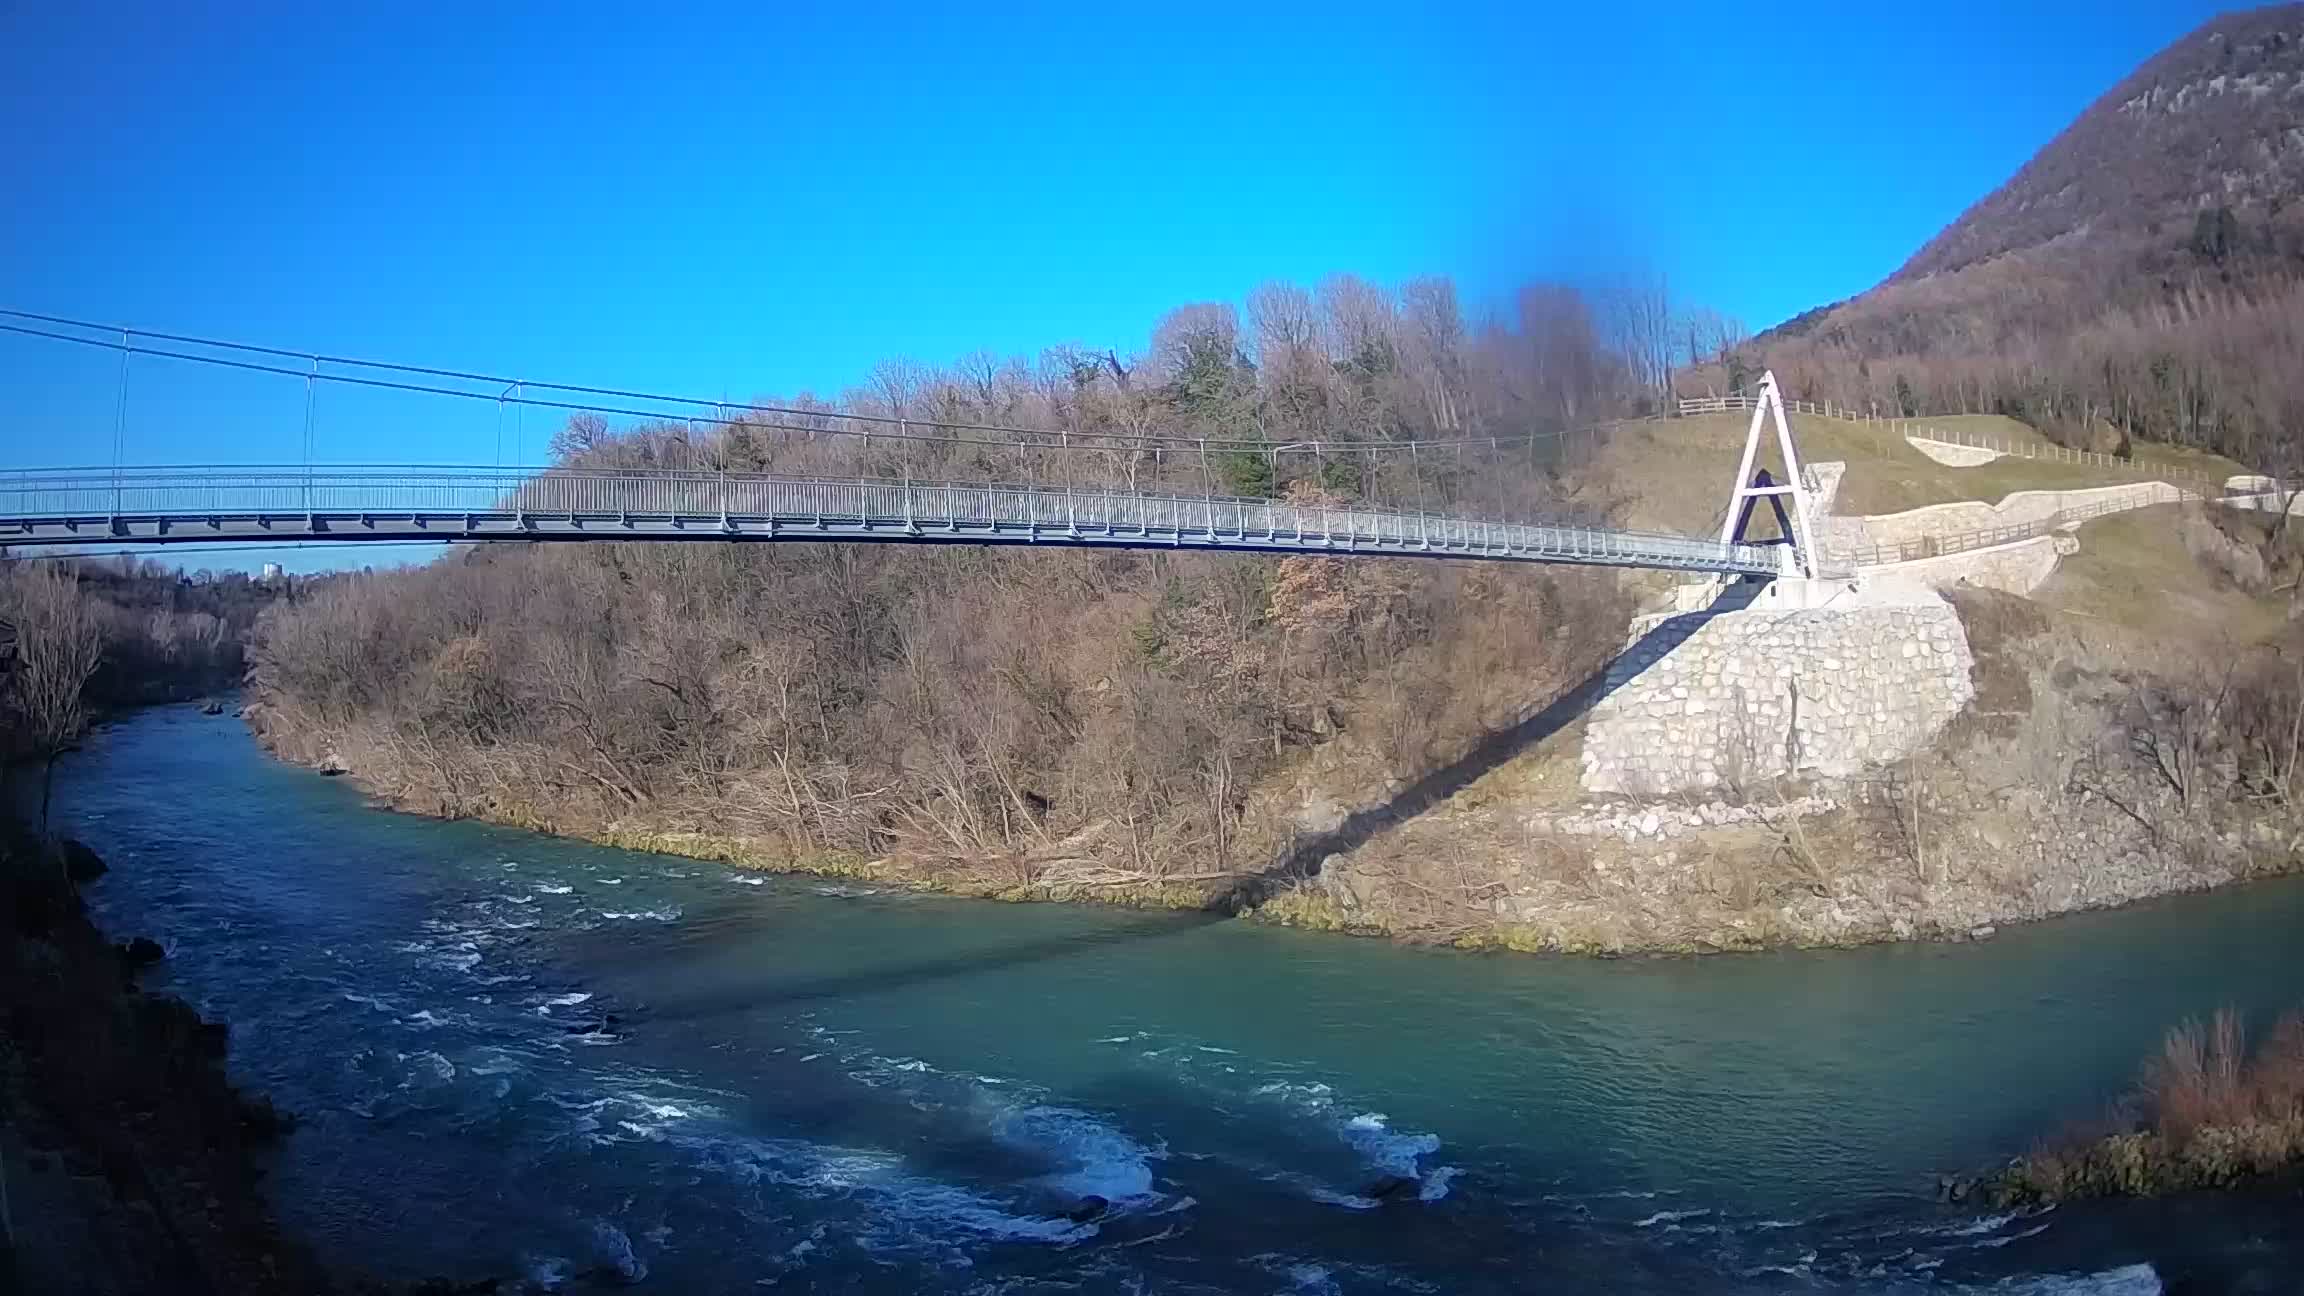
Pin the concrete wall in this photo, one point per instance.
(1952, 454)
(1741, 698)
(2019, 508)
(2018, 568)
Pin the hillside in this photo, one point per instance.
(2138, 279)
(2215, 120)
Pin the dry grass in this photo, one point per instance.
(2185, 459)
(1997, 426)
(1676, 473)
(1548, 775)
(2213, 1114)
(2133, 571)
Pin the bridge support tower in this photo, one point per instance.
(1798, 527)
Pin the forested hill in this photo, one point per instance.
(2142, 276)
(2213, 122)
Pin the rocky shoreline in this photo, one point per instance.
(132, 1164)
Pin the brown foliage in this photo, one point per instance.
(1027, 712)
(1027, 717)
(2208, 1112)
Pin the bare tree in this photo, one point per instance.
(59, 644)
(1200, 332)
(1288, 354)
(1637, 310)
(1359, 318)
(1432, 328)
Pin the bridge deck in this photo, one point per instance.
(274, 505)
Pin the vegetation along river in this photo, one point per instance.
(580, 1067)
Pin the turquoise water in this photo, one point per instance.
(810, 1086)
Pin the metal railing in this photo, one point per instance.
(1690, 405)
(92, 505)
(2048, 453)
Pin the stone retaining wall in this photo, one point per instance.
(1731, 699)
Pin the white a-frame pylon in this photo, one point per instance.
(1800, 527)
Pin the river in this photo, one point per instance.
(820, 1087)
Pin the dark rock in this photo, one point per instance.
(80, 863)
(1954, 1189)
(604, 1027)
(1390, 1187)
(165, 1025)
(211, 707)
(261, 1121)
(41, 901)
(1091, 1208)
(141, 952)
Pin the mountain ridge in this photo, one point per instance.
(2142, 275)
(2215, 119)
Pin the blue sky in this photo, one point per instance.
(751, 200)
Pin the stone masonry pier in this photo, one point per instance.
(1828, 680)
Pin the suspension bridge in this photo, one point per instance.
(126, 503)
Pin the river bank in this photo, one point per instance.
(982, 880)
(517, 1054)
(132, 1165)
(1941, 851)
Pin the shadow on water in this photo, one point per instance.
(751, 997)
(1304, 856)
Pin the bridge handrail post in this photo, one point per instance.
(1071, 512)
(120, 427)
(904, 431)
(309, 376)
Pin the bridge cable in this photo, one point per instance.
(904, 467)
(568, 388)
(311, 442)
(120, 424)
(1415, 481)
(1496, 468)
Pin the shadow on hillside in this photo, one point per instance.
(1303, 857)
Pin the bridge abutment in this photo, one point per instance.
(1794, 678)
